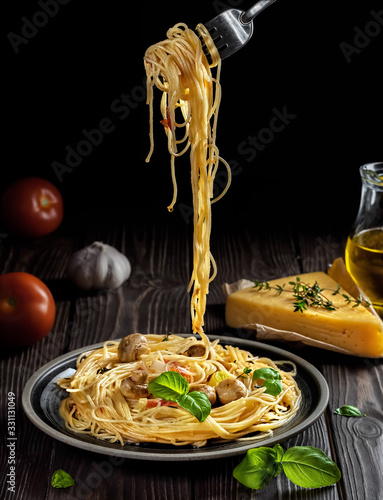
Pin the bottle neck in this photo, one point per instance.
(370, 213)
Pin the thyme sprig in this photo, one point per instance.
(307, 295)
(246, 371)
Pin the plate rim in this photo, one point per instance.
(205, 454)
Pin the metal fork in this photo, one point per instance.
(233, 28)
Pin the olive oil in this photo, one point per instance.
(364, 261)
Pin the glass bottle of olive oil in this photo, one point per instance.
(364, 249)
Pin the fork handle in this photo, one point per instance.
(249, 15)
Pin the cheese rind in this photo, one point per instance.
(354, 329)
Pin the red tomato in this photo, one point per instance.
(176, 367)
(32, 207)
(27, 309)
(152, 403)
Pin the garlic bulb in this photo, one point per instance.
(98, 266)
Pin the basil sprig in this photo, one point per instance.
(172, 386)
(305, 466)
(271, 380)
(348, 411)
(61, 479)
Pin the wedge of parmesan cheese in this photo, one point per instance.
(354, 329)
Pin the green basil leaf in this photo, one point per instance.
(309, 467)
(196, 403)
(271, 380)
(278, 458)
(169, 386)
(266, 373)
(273, 387)
(257, 468)
(348, 411)
(61, 479)
(278, 452)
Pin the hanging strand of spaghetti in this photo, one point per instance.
(179, 68)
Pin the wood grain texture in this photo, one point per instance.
(155, 299)
(358, 441)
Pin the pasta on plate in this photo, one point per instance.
(97, 405)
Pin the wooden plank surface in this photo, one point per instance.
(155, 300)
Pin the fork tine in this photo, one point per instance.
(233, 28)
(220, 43)
(228, 33)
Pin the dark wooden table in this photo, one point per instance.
(154, 299)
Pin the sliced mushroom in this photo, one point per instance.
(226, 364)
(132, 390)
(139, 377)
(196, 351)
(230, 389)
(206, 389)
(132, 347)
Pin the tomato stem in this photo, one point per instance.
(44, 201)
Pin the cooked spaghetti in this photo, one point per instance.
(179, 68)
(97, 405)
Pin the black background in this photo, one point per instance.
(72, 71)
